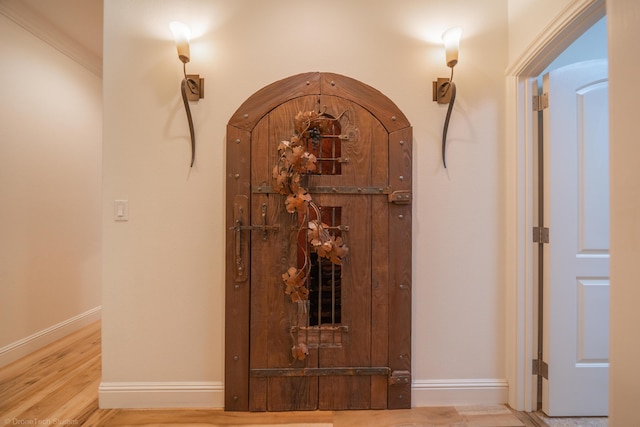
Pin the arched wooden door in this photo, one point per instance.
(347, 344)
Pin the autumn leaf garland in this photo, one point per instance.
(294, 161)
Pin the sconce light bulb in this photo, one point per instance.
(451, 40)
(182, 35)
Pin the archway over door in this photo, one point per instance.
(356, 325)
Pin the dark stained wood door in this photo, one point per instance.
(355, 324)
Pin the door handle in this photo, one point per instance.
(241, 246)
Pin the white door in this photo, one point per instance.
(576, 260)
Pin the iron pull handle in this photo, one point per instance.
(240, 206)
(241, 246)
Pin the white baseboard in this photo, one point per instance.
(459, 392)
(146, 395)
(16, 350)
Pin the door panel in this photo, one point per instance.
(362, 189)
(351, 392)
(272, 310)
(576, 277)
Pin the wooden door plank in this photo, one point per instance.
(286, 394)
(260, 310)
(379, 271)
(260, 260)
(237, 290)
(400, 243)
(344, 392)
(351, 392)
(280, 253)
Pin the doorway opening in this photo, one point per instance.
(572, 200)
(565, 29)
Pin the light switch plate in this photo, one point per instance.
(121, 210)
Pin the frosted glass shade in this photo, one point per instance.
(182, 35)
(451, 39)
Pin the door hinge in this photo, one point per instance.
(540, 367)
(400, 377)
(540, 102)
(540, 234)
(400, 197)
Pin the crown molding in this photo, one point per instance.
(42, 28)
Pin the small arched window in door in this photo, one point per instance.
(324, 142)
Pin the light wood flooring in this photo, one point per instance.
(58, 385)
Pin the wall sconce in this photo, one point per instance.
(444, 90)
(192, 86)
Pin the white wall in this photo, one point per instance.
(163, 270)
(624, 60)
(50, 193)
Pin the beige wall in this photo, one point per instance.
(165, 291)
(624, 60)
(50, 192)
(528, 19)
(163, 299)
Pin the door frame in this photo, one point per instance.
(521, 263)
(237, 271)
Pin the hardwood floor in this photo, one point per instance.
(58, 385)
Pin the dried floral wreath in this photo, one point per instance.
(294, 161)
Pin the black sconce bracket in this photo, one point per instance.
(196, 87)
(441, 92)
(192, 88)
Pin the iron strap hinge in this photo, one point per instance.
(395, 377)
(319, 372)
(267, 189)
(540, 234)
(540, 102)
(255, 227)
(540, 367)
(395, 196)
